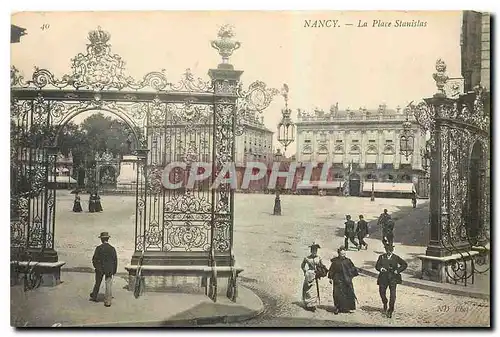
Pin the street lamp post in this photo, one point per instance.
(286, 127)
(277, 200)
(372, 198)
(406, 140)
(286, 135)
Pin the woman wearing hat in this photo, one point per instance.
(98, 206)
(313, 269)
(341, 273)
(77, 206)
(92, 204)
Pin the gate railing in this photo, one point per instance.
(460, 197)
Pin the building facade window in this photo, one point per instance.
(338, 176)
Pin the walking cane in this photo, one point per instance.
(317, 290)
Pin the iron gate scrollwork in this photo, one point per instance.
(460, 190)
(190, 121)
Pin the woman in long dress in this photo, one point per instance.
(277, 204)
(98, 206)
(77, 206)
(313, 269)
(341, 273)
(92, 203)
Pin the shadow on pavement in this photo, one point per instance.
(369, 308)
(368, 265)
(328, 308)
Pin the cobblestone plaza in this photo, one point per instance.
(270, 249)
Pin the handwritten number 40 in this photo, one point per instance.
(45, 26)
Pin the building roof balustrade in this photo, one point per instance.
(334, 119)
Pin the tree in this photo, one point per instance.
(104, 133)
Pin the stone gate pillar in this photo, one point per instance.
(225, 82)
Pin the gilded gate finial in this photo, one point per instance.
(99, 36)
(440, 76)
(224, 44)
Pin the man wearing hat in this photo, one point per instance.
(388, 233)
(383, 218)
(349, 232)
(105, 264)
(390, 266)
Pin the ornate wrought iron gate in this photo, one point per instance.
(191, 121)
(459, 188)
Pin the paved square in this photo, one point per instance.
(271, 248)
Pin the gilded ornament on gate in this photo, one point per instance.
(258, 97)
(224, 44)
(440, 76)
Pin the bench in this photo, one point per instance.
(165, 264)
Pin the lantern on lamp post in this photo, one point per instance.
(286, 127)
(426, 159)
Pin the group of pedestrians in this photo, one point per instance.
(352, 231)
(360, 231)
(94, 203)
(342, 269)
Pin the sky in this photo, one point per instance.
(354, 66)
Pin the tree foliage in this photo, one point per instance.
(95, 134)
(105, 133)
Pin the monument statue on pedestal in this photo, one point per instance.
(127, 179)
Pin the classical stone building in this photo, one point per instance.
(256, 142)
(364, 147)
(475, 49)
(476, 56)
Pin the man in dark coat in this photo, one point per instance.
(383, 218)
(341, 273)
(388, 233)
(362, 230)
(105, 263)
(390, 266)
(349, 233)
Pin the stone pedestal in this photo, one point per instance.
(439, 269)
(50, 271)
(127, 180)
(484, 252)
